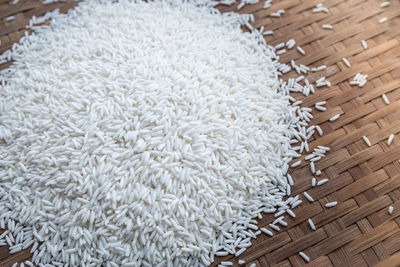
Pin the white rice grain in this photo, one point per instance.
(319, 108)
(327, 26)
(227, 2)
(9, 18)
(390, 139)
(364, 44)
(390, 210)
(290, 179)
(385, 99)
(322, 181)
(311, 223)
(301, 50)
(346, 62)
(291, 213)
(366, 140)
(304, 256)
(296, 164)
(319, 130)
(312, 167)
(266, 231)
(385, 4)
(313, 182)
(335, 117)
(275, 227)
(268, 33)
(308, 197)
(331, 204)
(240, 251)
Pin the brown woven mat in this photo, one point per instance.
(364, 180)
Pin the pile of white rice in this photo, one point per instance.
(142, 134)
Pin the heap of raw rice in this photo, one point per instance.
(142, 133)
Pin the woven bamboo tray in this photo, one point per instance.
(364, 180)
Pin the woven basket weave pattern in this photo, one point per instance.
(364, 180)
